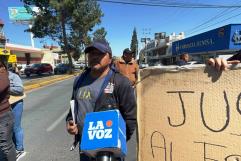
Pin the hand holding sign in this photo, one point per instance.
(221, 64)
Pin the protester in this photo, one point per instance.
(128, 66)
(100, 88)
(7, 149)
(16, 89)
(184, 58)
(222, 64)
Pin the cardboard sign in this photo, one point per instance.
(14, 99)
(189, 115)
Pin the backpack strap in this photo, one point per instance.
(105, 83)
(110, 102)
(78, 82)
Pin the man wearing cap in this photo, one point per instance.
(128, 66)
(100, 88)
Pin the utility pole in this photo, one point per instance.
(145, 39)
(145, 32)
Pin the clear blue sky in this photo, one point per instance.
(120, 19)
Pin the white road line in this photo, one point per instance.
(51, 127)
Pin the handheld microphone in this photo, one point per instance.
(104, 135)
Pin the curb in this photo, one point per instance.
(45, 83)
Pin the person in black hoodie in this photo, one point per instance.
(7, 148)
(101, 88)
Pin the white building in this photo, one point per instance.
(159, 50)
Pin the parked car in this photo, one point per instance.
(39, 69)
(194, 62)
(143, 65)
(21, 68)
(79, 65)
(61, 68)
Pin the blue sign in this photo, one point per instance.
(224, 38)
(235, 37)
(19, 14)
(104, 131)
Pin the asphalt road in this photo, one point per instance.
(43, 121)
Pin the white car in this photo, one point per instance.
(143, 65)
(193, 62)
(21, 68)
(79, 65)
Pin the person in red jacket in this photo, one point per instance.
(128, 66)
(7, 148)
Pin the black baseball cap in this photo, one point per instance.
(101, 45)
(127, 51)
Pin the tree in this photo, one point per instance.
(99, 34)
(134, 43)
(65, 21)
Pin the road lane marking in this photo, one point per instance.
(41, 87)
(51, 127)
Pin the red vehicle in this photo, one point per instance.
(38, 69)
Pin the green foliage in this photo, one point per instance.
(99, 34)
(134, 43)
(65, 21)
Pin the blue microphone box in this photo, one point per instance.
(104, 131)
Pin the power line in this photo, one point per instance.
(217, 23)
(179, 5)
(195, 29)
(219, 15)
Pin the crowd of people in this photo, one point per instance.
(122, 74)
(104, 85)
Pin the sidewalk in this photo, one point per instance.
(33, 84)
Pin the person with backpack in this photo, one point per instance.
(101, 88)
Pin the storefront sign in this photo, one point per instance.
(224, 38)
(4, 51)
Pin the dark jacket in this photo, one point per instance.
(235, 56)
(181, 63)
(4, 91)
(123, 98)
